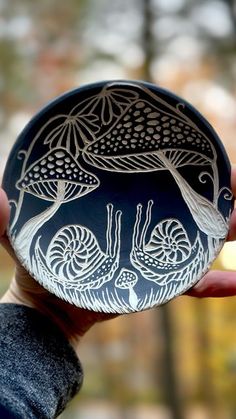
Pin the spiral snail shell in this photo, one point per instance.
(169, 242)
(73, 251)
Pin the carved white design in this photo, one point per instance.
(57, 167)
(74, 257)
(153, 261)
(169, 242)
(110, 103)
(132, 142)
(205, 213)
(72, 251)
(71, 131)
(56, 177)
(127, 279)
(116, 130)
(146, 138)
(80, 126)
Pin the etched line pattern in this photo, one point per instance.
(118, 130)
(74, 257)
(144, 130)
(163, 257)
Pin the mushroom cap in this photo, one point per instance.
(142, 131)
(144, 145)
(58, 166)
(126, 279)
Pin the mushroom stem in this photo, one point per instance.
(215, 184)
(24, 238)
(133, 299)
(18, 210)
(207, 217)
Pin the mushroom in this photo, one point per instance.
(54, 169)
(147, 139)
(132, 143)
(206, 215)
(127, 279)
(55, 177)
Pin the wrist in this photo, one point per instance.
(72, 321)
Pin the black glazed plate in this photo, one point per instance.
(120, 196)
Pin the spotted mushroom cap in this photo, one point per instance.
(43, 176)
(126, 279)
(143, 130)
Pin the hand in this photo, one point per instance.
(219, 283)
(74, 321)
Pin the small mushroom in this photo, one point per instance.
(56, 177)
(127, 279)
(57, 172)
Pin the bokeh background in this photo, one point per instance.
(177, 361)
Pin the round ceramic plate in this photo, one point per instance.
(120, 196)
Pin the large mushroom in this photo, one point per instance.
(55, 177)
(146, 139)
(132, 143)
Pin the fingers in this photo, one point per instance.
(219, 283)
(4, 219)
(233, 180)
(232, 226)
(7, 245)
(215, 284)
(4, 212)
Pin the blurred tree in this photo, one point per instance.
(47, 47)
(169, 380)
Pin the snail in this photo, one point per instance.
(169, 242)
(163, 257)
(75, 259)
(56, 177)
(149, 138)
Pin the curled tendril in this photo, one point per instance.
(12, 203)
(227, 195)
(203, 175)
(180, 107)
(22, 154)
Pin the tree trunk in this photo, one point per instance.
(170, 387)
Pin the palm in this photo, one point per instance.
(75, 321)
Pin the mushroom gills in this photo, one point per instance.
(133, 142)
(58, 165)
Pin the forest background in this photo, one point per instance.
(177, 361)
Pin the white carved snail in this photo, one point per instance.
(75, 258)
(153, 263)
(169, 242)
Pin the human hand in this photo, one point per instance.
(219, 283)
(74, 322)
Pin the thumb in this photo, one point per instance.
(4, 212)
